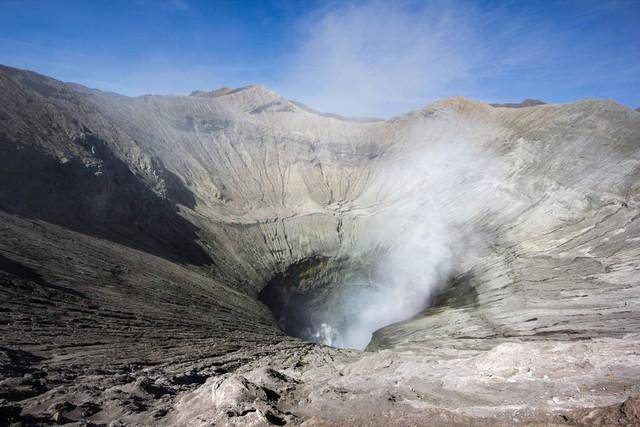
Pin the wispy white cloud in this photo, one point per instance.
(373, 58)
(383, 58)
(179, 5)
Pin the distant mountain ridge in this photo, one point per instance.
(525, 103)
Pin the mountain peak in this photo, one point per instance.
(251, 99)
(258, 90)
(213, 94)
(457, 103)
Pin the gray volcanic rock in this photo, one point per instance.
(153, 251)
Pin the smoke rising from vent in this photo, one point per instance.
(431, 194)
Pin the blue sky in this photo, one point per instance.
(372, 58)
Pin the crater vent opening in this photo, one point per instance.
(336, 301)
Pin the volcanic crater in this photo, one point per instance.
(233, 258)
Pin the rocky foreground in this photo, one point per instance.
(154, 250)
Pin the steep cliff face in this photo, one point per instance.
(493, 252)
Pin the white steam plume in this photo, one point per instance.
(433, 195)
